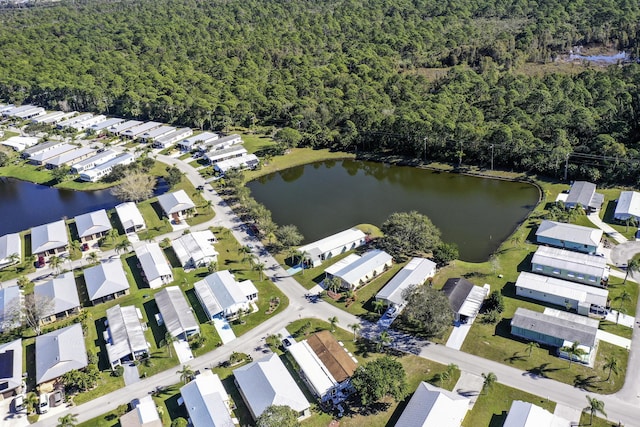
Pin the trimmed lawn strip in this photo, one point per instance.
(110, 419)
(491, 409)
(597, 421)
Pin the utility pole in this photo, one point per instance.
(491, 156)
(566, 166)
(424, 140)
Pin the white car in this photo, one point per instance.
(43, 403)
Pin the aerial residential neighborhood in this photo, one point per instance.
(175, 308)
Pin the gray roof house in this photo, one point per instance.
(207, 401)
(557, 329)
(434, 406)
(63, 293)
(584, 193)
(267, 382)
(10, 367)
(569, 236)
(49, 239)
(570, 265)
(106, 281)
(175, 204)
(221, 295)
(416, 272)
(11, 299)
(176, 313)
(93, 225)
(155, 267)
(628, 206)
(465, 298)
(59, 352)
(124, 335)
(10, 244)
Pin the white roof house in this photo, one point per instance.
(106, 281)
(10, 301)
(139, 130)
(104, 169)
(175, 203)
(93, 161)
(221, 143)
(195, 249)
(333, 245)
(62, 291)
(197, 140)
(130, 217)
(434, 406)
(70, 157)
(119, 128)
(10, 112)
(97, 127)
(242, 162)
(29, 113)
(49, 117)
(525, 414)
(84, 124)
(59, 352)
(267, 382)
(73, 120)
(125, 337)
(155, 267)
(19, 143)
(416, 272)
(568, 291)
(363, 269)
(220, 294)
(49, 238)
(10, 366)
(42, 147)
(548, 260)
(157, 133)
(170, 139)
(42, 157)
(176, 313)
(10, 244)
(560, 234)
(225, 153)
(628, 206)
(93, 224)
(207, 401)
(144, 414)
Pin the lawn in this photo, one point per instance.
(26, 172)
(491, 409)
(256, 143)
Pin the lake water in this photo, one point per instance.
(326, 197)
(24, 205)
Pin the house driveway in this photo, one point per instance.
(224, 330)
(131, 375)
(458, 335)
(613, 339)
(183, 351)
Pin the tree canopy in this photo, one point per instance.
(135, 186)
(278, 416)
(427, 309)
(379, 378)
(409, 233)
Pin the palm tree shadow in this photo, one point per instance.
(586, 383)
(515, 358)
(541, 371)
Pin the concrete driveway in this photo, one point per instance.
(622, 253)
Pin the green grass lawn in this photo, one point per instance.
(6, 134)
(491, 409)
(110, 419)
(256, 143)
(585, 420)
(26, 172)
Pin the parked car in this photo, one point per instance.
(43, 403)
(18, 403)
(286, 342)
(85, 247)
(58, 397)
(41, 262)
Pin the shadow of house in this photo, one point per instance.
(158, 331)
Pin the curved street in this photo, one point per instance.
(622, 406)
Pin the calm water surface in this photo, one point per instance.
(326, 197)
(24, 205)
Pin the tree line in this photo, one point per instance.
(347, 75)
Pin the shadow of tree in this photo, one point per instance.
(586, 383)
(541, 371)
(515, 357)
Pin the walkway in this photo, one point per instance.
(608, 230)
(458, 335)
(224, 330)
(613, 339)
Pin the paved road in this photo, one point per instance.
(622, 406)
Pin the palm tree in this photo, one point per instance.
(185, 374)
(594, 407)
(259, 267)
(31, 402)
(333, 284)
(451, 369)
(384, 339)
(612, 365)
(631, 221)
(168, 341)
(113, 234)
(123, 246)
(530, 346)
(55, 262)
(302, 255)
(574, 350)
(355, 327)
(291, 253)
(23, 281)
(333, 321)
(489, 380)
(378, 305)
(633, 266)
(69, 420)
(623, 298)
(93, 257)
(14, 258)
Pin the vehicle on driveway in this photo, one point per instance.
(58, 397)
(43, 403)
(18, 403)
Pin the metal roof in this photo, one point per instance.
(42, 147)
(335, 241)
(581, 192)
(237, 162)
(10, 244)
(175, 136)
(201, 138)
(628, 205)
(105, 279)
(570, 233)
(124, 126)
(157, 132)
(43, 156)
(566, 326)
(176, 312)
(525, 414)
(62, 291)
(95, 160)
(49, 236)
(10, 300)
(220, 292)
(125, 332)
(129, 215)
(416, 272)
(206, 399)
(215, 155)
(10, 365)
(175, 202)
(138, 130)
(434, 406)
(59, 352)
(314, 370)
(563, 288)
(267, 382)
(145, 414)
(70, 156)
(92, 223)
(106, 124)
(465, 297)
(195, 246)
(577, 262)
(368, 262)
(153, 262)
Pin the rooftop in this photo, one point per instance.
(62, 291)
(570, 233)
(49, 236)
(568, 327)
(568, 260)
(369, 261)
(125, 332)
(176, 312)
(105, 279)
(205, 398)
(177, 201)
(92, 223)
(434, 406)
(416, 272)
(59, 352)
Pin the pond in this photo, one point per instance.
(322, 198)
(24, 205)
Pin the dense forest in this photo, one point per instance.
(349, 74)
